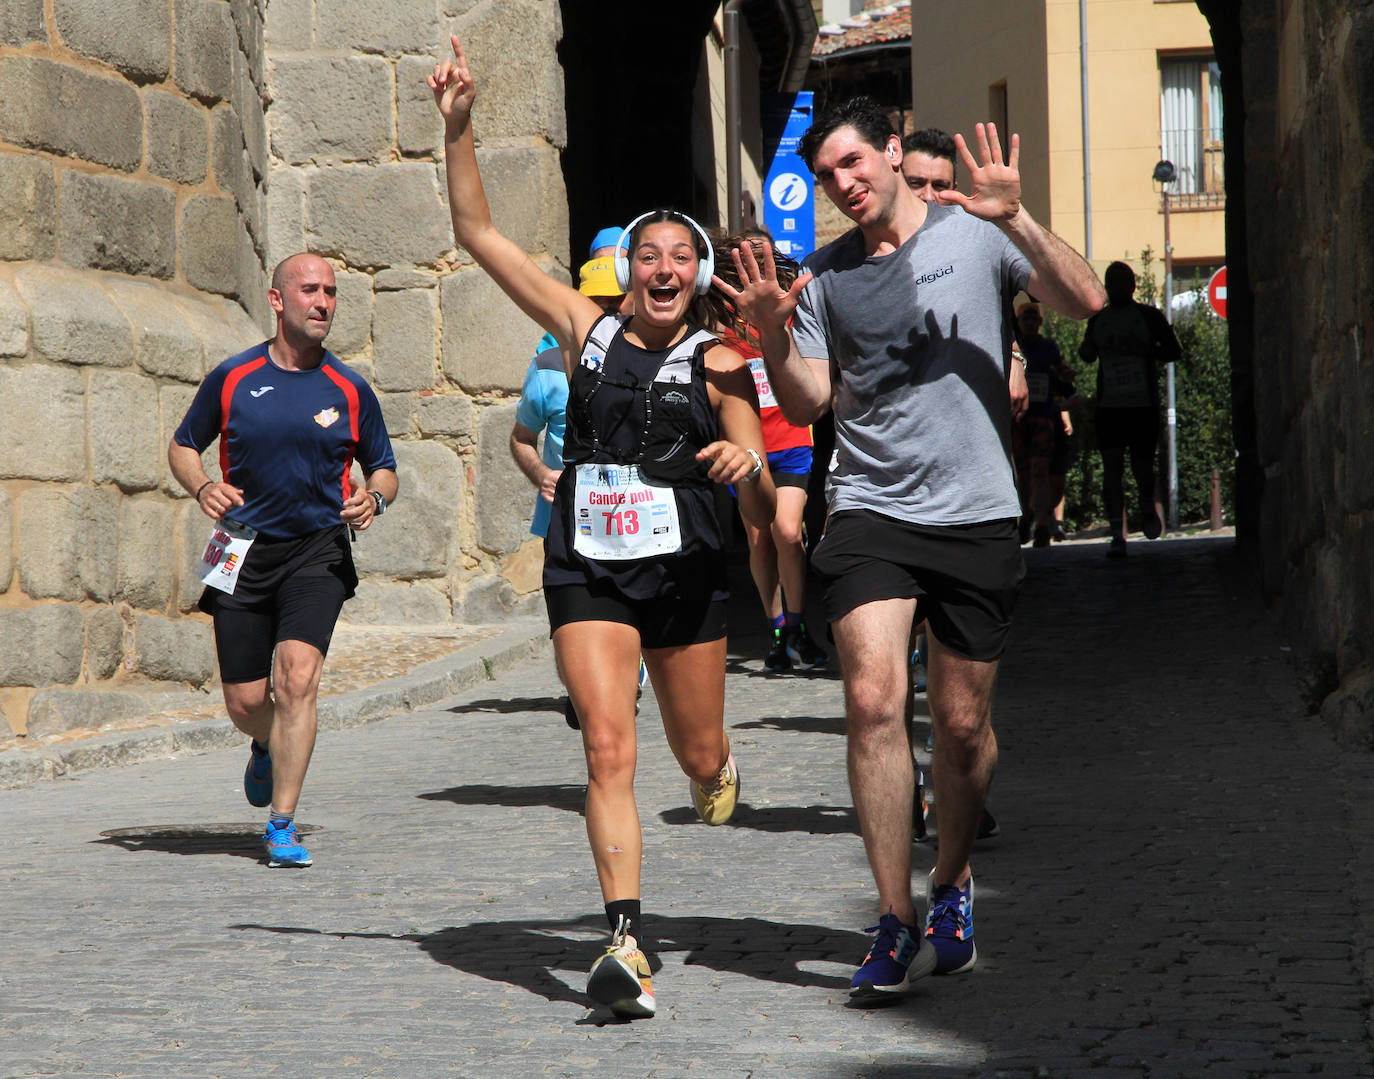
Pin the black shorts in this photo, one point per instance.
(1135, 429)
(1063, 452)
(663, 622)
(964, 578)
(288, 590)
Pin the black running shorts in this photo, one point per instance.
(288, 590)
(965, 578)
(668, 621)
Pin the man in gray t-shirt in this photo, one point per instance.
(901, 322)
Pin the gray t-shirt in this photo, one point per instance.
(922, 420)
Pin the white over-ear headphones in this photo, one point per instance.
(706, 264)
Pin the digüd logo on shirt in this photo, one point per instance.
(927, 278)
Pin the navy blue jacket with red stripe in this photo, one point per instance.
(288, 439)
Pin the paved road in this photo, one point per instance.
(1184, 885)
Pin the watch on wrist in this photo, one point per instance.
(758, 467)
(380, 500)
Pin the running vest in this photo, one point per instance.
(649, 408)
(660, 429)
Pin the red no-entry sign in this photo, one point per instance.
(1216, 293)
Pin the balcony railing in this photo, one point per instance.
(1199, 156)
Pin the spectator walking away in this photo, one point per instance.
(1050, 384)
(1128, 340)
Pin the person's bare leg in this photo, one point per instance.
(296, 670)
(965, 756)
(787, 542)
(871, 641)
(763, 567)
(689, 685)
(598, 663)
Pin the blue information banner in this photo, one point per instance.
(789, 206)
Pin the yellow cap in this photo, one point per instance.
(597, 278)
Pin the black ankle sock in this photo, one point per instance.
(258, 750)
(629, 910)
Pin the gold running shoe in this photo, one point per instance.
(716, 802)
(620, 978)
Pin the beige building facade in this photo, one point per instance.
(1152, 93)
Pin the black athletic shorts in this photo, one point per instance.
(668, 621)
(1127, 428)
(965, 578)
(1063, 452)
(288, 590)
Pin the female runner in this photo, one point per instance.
(777, 555)
(658, 412)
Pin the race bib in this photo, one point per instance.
(1038, 383)
(224, 555)
(761, 383)
(617, 516)
(1123, 382)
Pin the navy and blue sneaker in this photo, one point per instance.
(949, 925)
(257, 777)
(802, 650)
(283, 845)
(896, 959)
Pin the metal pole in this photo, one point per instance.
(734, 181)
(1172, 413)
(1087, 154)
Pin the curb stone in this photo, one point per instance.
(429, 682)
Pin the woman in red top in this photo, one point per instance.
(777, 556)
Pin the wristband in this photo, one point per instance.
(758, 467)
(1016, 355)
(201, 489)
(380, 499)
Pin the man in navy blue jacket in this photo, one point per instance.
(291, 420)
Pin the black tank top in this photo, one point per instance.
(629, 405)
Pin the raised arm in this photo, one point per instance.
(800, 384)
(558, 308)
(1060, 276)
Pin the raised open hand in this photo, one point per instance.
(759, 299)
(994, 192)
(454, 88)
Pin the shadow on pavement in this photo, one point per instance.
(569, 796)
(526, 954)
(749, 667)
(509, 705)
(832, 724)
(812, 819)
(239, 840)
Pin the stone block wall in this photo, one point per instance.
(160, 156)
(1309, 155)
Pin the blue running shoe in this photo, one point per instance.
(643, 675)
(284, 850)
(949, 926)
(257, 777)
(897, 957)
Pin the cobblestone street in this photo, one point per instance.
(1183, 885)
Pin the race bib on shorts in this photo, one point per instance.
(617, 516)
(224, 554)
(761, 384)
(1123, 382)
(1038, 383)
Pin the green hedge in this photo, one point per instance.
(1202, 388)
